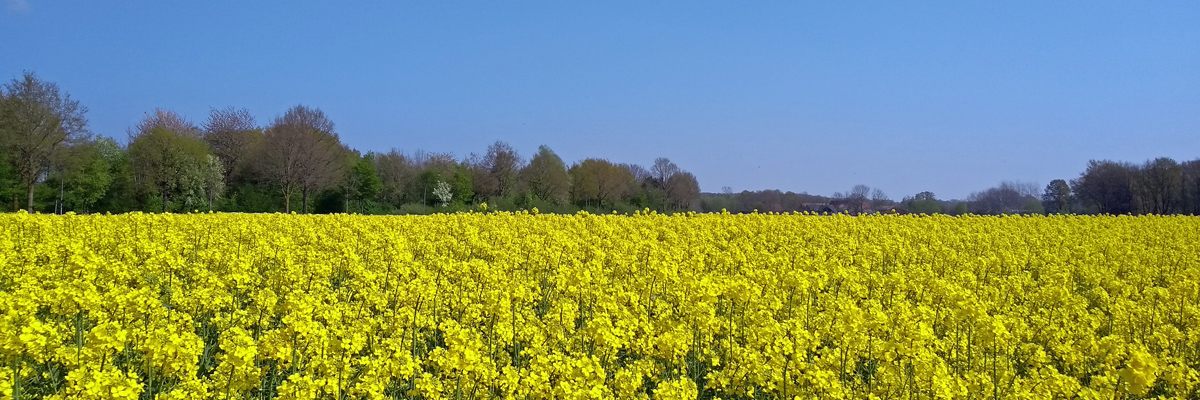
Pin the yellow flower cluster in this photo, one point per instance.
(536, 306)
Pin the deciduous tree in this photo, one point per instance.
(396, 174)
(879, 199)
(170, 165)
(502, 165)
(599, 182)
(1191, 187)
(1006, 198)
(923, 203)
(461, 186)
(37, 123)
(362, 183)
(1158, 186)
(87, 175)
(233, 136)
(662, 171)
(1056, 199)
(212, 175)
(857, 197)
(302, 153)
(640, 173)
(165, 119)
(683, 191)
(1105, 185)
(546, 176)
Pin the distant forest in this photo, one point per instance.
(50, 162)
(1159, 186)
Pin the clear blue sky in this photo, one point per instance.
(950, 97)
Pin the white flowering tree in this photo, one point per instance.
(441, 191)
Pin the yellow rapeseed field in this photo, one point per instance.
(519, 305)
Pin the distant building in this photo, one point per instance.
(841, 206)
(820, 208)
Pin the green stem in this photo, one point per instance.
(16, 388)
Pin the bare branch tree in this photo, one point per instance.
(857, 198)
(879, 199)
(233, 137)
(1157, 186)
(663, 170)
(302, 153)
(1105, 185)
(396, 173)
(1007, 198)
(165, 119)
(1191, 186)
(502, 164)
(640, 173)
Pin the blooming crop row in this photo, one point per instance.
(598, 306)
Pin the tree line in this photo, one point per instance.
(1159, 186)
(51, 162)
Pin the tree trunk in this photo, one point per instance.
(287, 202)
(30, 191)
(304, 201)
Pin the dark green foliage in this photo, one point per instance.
(1056, 199)
(330, 202)
(362, 185)
(253, 198)
(8, 183)
(460, 185)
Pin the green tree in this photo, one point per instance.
(212, 175)
(363, 183)
(1033, 206)
(683, 191)
(961, 208)
(461, 184)
(8, 181)
(87, 176)
(426, 183)
(170, 165)
(923, 203)
(37, 123)
(122, 193)
(546, 176)
(1056, 199)
(600, 183)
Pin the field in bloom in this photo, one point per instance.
(505, 305)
